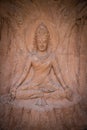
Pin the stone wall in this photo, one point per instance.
(67, 24)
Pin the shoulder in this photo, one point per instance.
(53, 56)
(29, 56)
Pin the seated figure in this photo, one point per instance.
(42, 60)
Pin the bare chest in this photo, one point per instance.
(41, 63)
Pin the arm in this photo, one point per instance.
(57, 73)
(24, 74)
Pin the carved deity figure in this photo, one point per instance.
(42, 60)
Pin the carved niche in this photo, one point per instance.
(43, 61)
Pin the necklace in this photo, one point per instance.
(42, 57)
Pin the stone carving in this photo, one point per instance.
(42, 61)
(18, 21)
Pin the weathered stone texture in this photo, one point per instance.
(66, 21)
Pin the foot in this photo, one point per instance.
(41, 102)
(69, 94)
(13, 93)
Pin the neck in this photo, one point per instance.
(42, 53)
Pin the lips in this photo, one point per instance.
(42, 47)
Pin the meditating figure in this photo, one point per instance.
(42, 60)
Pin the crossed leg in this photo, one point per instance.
(25, 92)
(28, 94)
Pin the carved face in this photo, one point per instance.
(42, 36)
(42, 43)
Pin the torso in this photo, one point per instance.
(41, 67)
